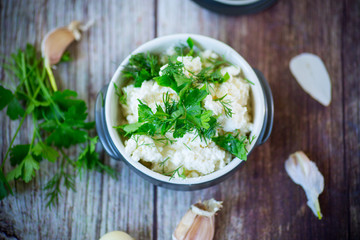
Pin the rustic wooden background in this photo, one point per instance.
(260, 200)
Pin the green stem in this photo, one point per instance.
(34, 133)
(67, 158)
(48, 97)
(51, 75)
(23, 68)
(12, 141)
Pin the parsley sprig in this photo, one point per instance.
(142, 67)
(59, 123)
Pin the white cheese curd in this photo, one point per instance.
(150, 93)
(189, 152)
(191, 65)
(195, 156)
(237, 93)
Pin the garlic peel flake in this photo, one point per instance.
(207, 208)
(305, 173)
(310, 72)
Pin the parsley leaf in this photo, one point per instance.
(191, 46)
(89, 159)
(26, 165)
(65, 57)
(15, 110)
(141, 68)
(235, 146)
(190, 42)
(5, 188)
(46, 151)
(64, 135)
(5, 97)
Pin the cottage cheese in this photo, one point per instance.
(194, 155)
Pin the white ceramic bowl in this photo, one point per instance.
(107, 115)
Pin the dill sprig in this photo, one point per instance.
(172, 174)
(226, 105)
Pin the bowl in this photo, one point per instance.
(107, 113)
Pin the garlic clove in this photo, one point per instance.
(310, 72)
(56, 41)
(116, 235)
(184, 225)
(198, 222)
(305, 173)
(55, 44)
(203, 228)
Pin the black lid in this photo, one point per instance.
(236, 7)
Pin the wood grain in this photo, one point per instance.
(351, 72)
(266, 204)
(260, 200)
(100, 204)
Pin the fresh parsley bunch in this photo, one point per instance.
(59, 123)
(188, 113)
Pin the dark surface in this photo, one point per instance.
(260, 200)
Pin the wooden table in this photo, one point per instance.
(260, 200)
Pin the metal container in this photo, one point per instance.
(236, 7)
(107, 105)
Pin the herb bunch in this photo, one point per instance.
(59, 124)
(188, 113)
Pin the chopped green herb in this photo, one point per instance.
(187, 114)
(162, 164)
(142, 67)
(65, 57)
(191, 46)
(247, 80)
(121, 94)
(176, 171)
(252, 139)
(187, 146)
(235, 146)
(226, 106)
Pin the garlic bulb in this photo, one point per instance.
(116, 235)
(305, 173)
(310, 72)
(55, 43)
(199, 221)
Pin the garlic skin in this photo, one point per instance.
(305, 173)
(310, 72)
(116, 235)
(199, 221)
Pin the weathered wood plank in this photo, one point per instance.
(100, 204)
(261, 202)
(351, 72)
